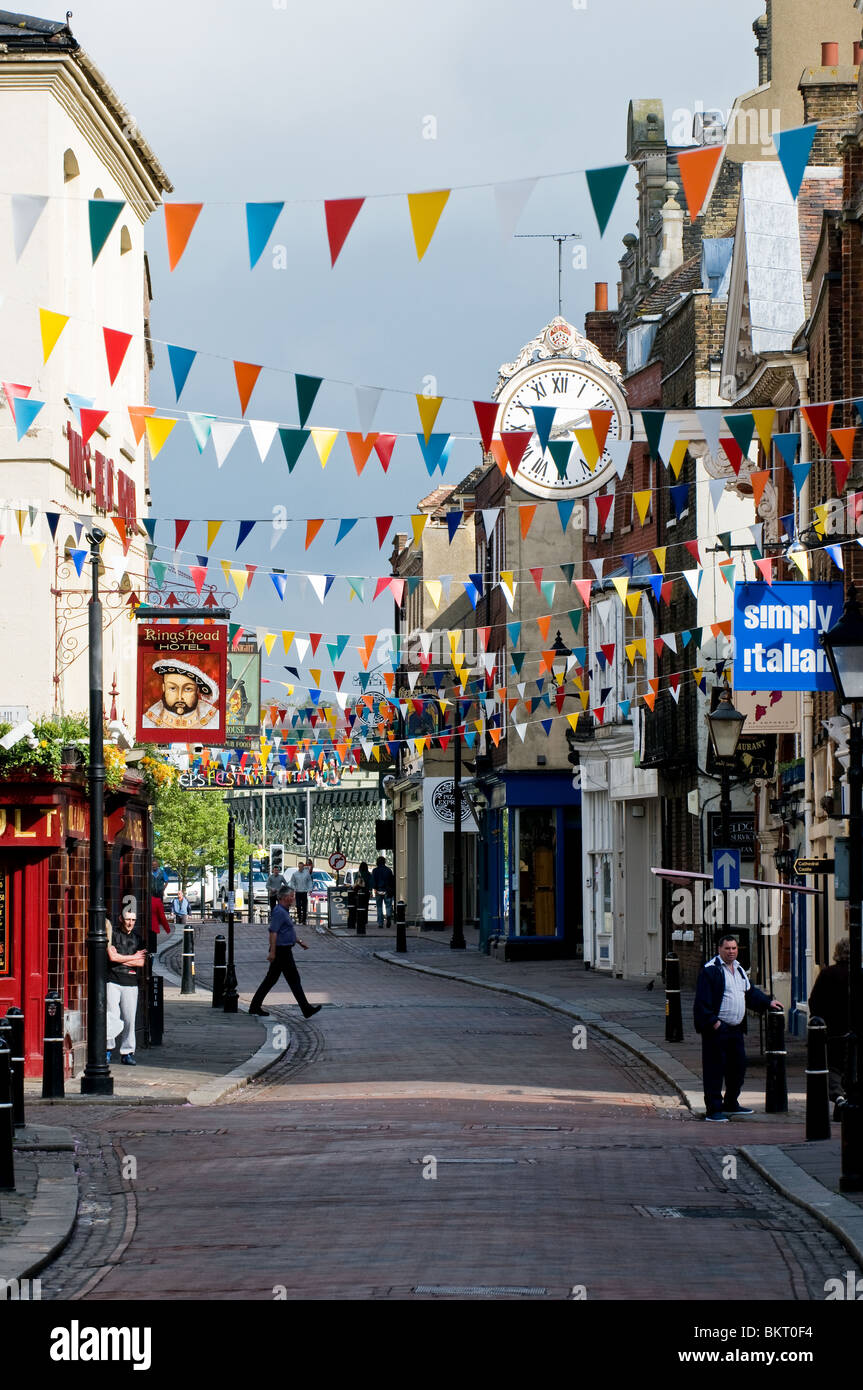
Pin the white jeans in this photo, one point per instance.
(122, 1003)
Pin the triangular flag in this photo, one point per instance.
(360, 447)
(213, 529)
(158, 430)
(367, 404)
(584, 587)
(653, 421)
(103, 214)
(560, 450)
(425, 211)
(543, 419)
(589, 447)
(307, 390)
(660, 552)
(340, 214)
(621, 585)
(261, 218)
(137, 415)
(323, 441)
(246, 374)
(697, 168)
(51, 325)
(764, 419)
(818, 419)
(564, 511)
(180, 529)
(453, 521)
(526, 513)
(428, 407)
(515, 443)
(346, 524)
(383, 524)
(620, 450)
(486, 418)
(263, 433)
(435, 452)
(841, 469)
(244, 531)
(25, 413)
(604, 505)
(26, 210)
(793, 148)
(510, 200)
(180, 360)
(742, 428)
(844, 440)
(799, 474)
(293, 442)
(604, 186)
(642, 503)
(180, 218)
(759, 482)
(312, 529)
(116, 347)
(225, 434)
(384, 445)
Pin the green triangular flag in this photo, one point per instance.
(575, 619)
(292, 443)
(103, 215)
(604, 185)
(517, 659)
(724, 538)
(728, 574)
(307, 388)
(547, 586)
(568, 572)
(560, 451)
(357, 587)
(742, 427)
(157, 569)
(653, 420)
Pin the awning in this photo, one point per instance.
(683, 876)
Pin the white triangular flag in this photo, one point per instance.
(26, 211)
(717, 488)
(263, 433)
(367, 404)
(711, 427)
(319, 584)
(693, 579)
(597, 567)
(670, 640)
(302, 645)
(519, 728)
(224, 434)
(619, 450)
(489, 519)
(413, 677)
(510, 201)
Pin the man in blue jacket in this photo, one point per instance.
(283, 938)
(722, 995)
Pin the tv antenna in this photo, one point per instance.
(560, 238)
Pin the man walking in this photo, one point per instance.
(384, 884)
(829, 1000)
(275, 883)
(302, 883)
(283, 938)
(722, 994)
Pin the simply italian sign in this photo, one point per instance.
(776, 630)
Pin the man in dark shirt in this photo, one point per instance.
(829, 1000)
(384, 884)
(126, 957)
(283, 938)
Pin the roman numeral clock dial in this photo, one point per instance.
(572, 390)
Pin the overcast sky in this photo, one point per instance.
(259, 102)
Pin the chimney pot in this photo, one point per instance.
(858, 53)
(601, 298)
(829, 55)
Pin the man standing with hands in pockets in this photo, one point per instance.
(283, 938)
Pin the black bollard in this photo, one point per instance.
(362, 909)
(15, 1018)
(401, 929)
(7, 1123)
(817, 1085)
(220, 969)
(776, 1085)
(52, 1048)
(188, 984)
(157, 1009)
(352, 909)
(673, 1012)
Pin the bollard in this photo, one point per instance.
(401, 930)
(817, 1086)
(220, 970)
(352, 909)
(362, 909)
(776, 1085)
(157, 1009)
(52, 1048)
(16, 1043)
(673, 1014)
(188, 985)
(7, 1124)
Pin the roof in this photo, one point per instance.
(24, 31)
(771, 234)
(667, 292)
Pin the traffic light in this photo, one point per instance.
(573, 755)
(277, 853)
(300, 830)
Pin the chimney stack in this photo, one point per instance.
(829, 55)
(858, 53)
(601, 298)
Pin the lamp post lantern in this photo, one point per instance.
(843, 647)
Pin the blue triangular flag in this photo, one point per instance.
(564, 511)
(543, 418)
(201, 427)
(656, 585)
(453, 521)
(52, 519)
(787, 446)
(436, 451)
(835, 553)
(788, 525)
(471, 591)
(280, 583)
(546, 724)
(679, 495)
(476, 580)
(799, 473)
(25, 413)
(77, 402)
(346, 524)
(180, 360)
(514, 630)
(149, 525)
(624, 706)
(793, 148)
(246, 527)
(261, 218)
(78, 558)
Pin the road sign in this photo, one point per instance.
(726, 868)
(814, 866)
(337, 861)
(741, 828)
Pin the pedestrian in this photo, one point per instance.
(126, 959)
(302, 883)
(722, 993)
(384, 884)
(364, 874)
(180, 907)
(158, 922)
(275, 882)
(829, 1000)
(283, 938)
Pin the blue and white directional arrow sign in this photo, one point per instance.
(726, 868)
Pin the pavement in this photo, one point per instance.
(208, 1055)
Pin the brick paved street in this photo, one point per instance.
(422, 1136)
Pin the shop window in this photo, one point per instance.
(70, 166)
(536, 845)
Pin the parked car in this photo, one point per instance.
(241, 887)
(322, 881)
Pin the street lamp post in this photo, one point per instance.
(231, 996)
(843, 647)
(97, 1079)
(337, 826)
(725, 725)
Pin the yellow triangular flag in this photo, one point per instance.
(641, 647)
(801, 560)
(51, 325)
(633, 600)
(158, 430)
(316, 676)
(677, 456)
(584, 697)
(434, 589)
(38, 549)
(213, 529)
(660, 551)
(630, 653)
(425, 210)
(428, 407)
(589, 447)
(241, 579)
(287, 638)
(820, 522)
(419, 525)
(226, 570)
(642, 503)
(323, 441)
(764, 425)
(20, 514)
(268, 642)
(265, 751)
(572, 721)
(621, 585)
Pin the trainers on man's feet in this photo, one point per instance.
(737, 1110)
(718, 1119)
(315, 1009)
(128, 1059)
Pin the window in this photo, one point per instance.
(70, 166)
(125, 240)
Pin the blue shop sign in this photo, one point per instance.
(776, 630)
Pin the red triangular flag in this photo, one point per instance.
(180, 529)
(537, 577)
(384, 445)
(697, 168)
(766, 568)
(116, 347)
(341, 213)
(665, 591)
(314, 638)
(486, 417)
(608, 649)
(841, 469)
(818, 419)
(90, 422)
(383, 524)
(199, 574)
(692, 547)
(515, 442)
(604, 505)
(733, 452)
(250, 571)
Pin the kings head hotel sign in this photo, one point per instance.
(181, 682)
(776, 631)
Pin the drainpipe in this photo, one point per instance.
(801, 374)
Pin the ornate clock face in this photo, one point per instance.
(572, 389)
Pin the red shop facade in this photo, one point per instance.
(44, 896)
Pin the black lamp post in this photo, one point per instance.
(725, 725)
(337, 826)
(559, 660)
(843, 647)
(97, 1079)
(457, 941)
(231, 996)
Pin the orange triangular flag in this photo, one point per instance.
(845, 441)
(180, 218)
(498, 453)
(247, 374)
(650, 701)
(697, 168)
(759, 482)
(526, 514)
(360, 447)
(138, 414)
(312, 529)
(600, 421)
(543, 624)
